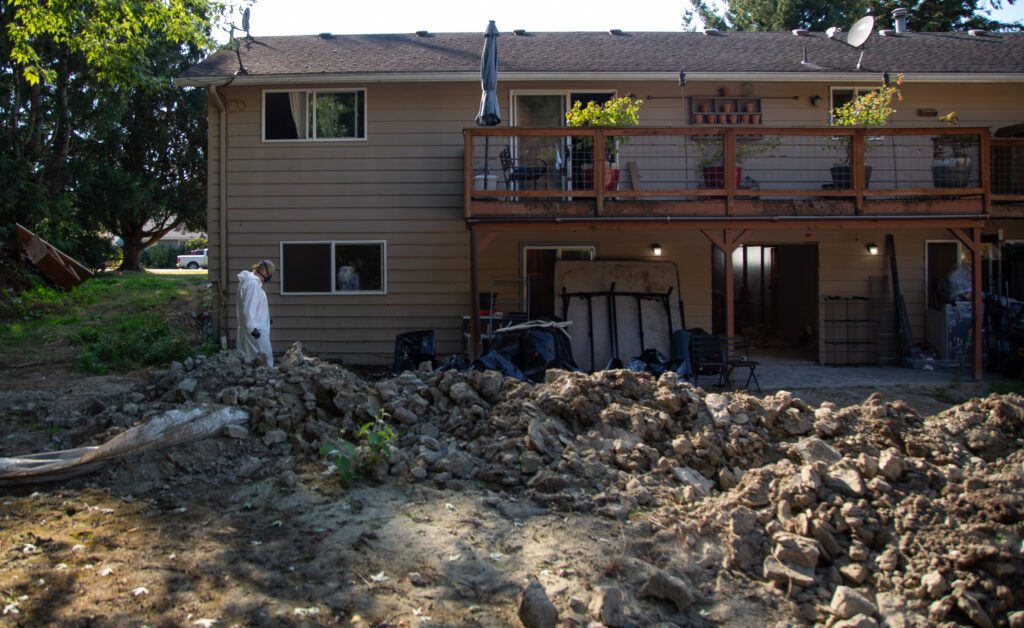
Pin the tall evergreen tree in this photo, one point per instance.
(817, 15)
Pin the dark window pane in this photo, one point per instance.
(360, 267)
(306, 267)
(281, 123)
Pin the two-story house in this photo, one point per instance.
(354, 161)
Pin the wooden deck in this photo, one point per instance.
(739, 173)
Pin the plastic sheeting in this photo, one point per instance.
(528, 350)
(164, 430)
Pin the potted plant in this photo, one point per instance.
(872, 109)
(951, 161)
(616, 112)
(711, 166)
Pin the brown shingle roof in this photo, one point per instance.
(607, 53)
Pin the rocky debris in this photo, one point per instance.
(535, 609)
(856, 515)
(847, 603)
(665, 586)
(607, 607)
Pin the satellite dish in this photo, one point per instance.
(832, 31)
(245, 20)
(860, 31)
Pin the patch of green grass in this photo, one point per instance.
(1006, 388)
(945, 395)
(117, 322)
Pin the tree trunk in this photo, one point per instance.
(53, 171)
(132, 251)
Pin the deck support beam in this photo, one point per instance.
(728, 242)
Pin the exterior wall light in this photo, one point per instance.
(656, 250)
(872, 249)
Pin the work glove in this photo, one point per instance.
(255, 333)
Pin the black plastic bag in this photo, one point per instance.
(531, 351)
(412, 349)
(651, 361)
(494, 361)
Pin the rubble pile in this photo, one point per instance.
(859, 515)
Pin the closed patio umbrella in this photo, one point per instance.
(489, 114)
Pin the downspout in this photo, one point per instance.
(222, 187)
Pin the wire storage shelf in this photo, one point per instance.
(850, 330)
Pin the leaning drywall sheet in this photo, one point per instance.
(628, 277)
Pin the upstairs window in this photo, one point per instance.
(314, 115)
(842, 95)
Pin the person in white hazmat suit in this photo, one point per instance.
(253, 337)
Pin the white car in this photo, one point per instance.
(194, 260)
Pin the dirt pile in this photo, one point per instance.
(854, 516)
(863, 514)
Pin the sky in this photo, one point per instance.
(307, 17)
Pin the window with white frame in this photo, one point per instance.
(839, 96)
(314, 115)
(334, 267)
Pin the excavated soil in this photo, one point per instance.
(614, 498)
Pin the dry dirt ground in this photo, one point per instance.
(615, 498)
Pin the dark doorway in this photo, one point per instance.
(775, 294)
(540, 275)
(539, 266)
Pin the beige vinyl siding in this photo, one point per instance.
(403, 184)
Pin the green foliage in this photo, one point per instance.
(196, 244)
(1007, 388)
(377, 439)
(342, 455)
(97, 139)
(111, 37)
(945, 395)
(871, 109)
(623, 111)
(115, 322)
(160, 256)
(712, 148)
(817, 15)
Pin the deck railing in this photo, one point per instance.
(738, 171)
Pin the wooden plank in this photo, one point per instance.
(59, 267)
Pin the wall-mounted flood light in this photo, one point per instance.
(815, 100)
(872, 249)
(656, 250)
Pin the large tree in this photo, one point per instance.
(140, 167)
(70, 71)
(783, 15)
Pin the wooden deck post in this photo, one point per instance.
(729, 161)
(600, 171)
(467, 172)
(858, 170)
(727, 243)
(474, 295)
(985, 170)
